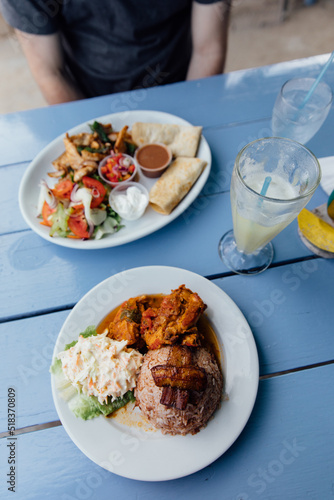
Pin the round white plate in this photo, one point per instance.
(130, 450)
(327, 174)
(150, 222)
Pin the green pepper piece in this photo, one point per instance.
(97, 127)
(132, 315)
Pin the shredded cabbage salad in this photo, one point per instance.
(95, 374)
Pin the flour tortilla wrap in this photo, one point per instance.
(182, 139)
(175, 183)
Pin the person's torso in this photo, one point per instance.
(116, 45)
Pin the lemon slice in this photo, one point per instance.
(316, 230)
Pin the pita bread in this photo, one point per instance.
(183, 140)
(175, 183)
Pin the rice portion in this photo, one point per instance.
(171, 420)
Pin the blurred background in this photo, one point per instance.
(261, 32)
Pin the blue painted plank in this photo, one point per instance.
(289, 313)
(29, 345)
(225, 143)
(235, 97)
(287, 309)
(285, 451)
(11, 218)
(37, 275)
(11, 175)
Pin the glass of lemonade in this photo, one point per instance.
(296, 119)
(272, 180)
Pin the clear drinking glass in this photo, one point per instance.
(272, 180)
(296, 119)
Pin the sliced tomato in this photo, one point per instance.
(98, 189)
(63, 189)
(77, 224)
(46, 212)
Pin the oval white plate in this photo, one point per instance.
(136, 453)
(150, 222)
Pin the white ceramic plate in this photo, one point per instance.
(135, 451)
(150, 222)
(327, 174)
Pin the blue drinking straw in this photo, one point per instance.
(315, 84)
(264, 189)
(265, 186)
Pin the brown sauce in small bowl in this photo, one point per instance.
(153, 159)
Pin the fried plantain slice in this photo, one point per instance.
(181, 377)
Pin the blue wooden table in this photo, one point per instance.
(286, 450)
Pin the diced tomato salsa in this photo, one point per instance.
(118, 168)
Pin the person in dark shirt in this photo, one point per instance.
(84, 48)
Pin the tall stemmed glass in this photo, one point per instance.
(272, 180)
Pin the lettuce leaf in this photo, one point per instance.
(109, 226)
(89, 332)
(87, 407)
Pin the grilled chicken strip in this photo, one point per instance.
(126, 324)
(176, 316)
